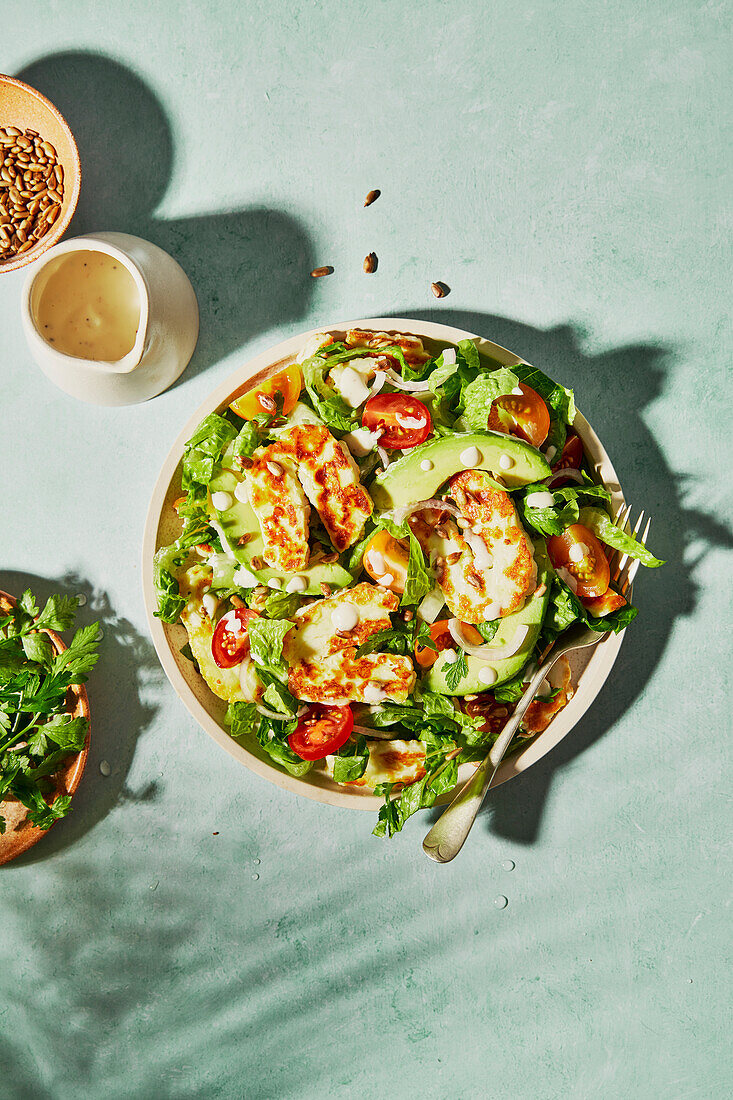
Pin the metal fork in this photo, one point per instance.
(448, 834)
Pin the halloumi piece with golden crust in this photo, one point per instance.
(281, 507)
(399, 762)
(412, 346)
(324, 667)
(330, 478)
(490, 573)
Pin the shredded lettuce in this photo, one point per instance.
(327, 403)
(245, 722)
(419, 581)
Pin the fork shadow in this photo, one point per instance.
(254, 255)
(119, 687)
(615, 387)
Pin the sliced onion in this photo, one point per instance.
(380, 378)
(383, 456)
(487, 652)
(569, 471)
(400, 383)
(272, 713)
(367, 731)
(401, 514)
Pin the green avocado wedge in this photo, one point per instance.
(406, 481)
(240, 520)
(531, 615)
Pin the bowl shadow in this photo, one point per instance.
(254, 255)
(615, 387)
(120, 688)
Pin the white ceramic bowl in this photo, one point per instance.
(590, 668)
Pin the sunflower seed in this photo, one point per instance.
(370, 263)
(439, 289)
(319, 272)
(372, 197)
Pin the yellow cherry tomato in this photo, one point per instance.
(288, 383)
(385, 560)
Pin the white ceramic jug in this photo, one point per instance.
(166, 335)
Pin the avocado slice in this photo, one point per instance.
(405, 481)
(240, 520)
(531, 615)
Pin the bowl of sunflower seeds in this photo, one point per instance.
(40, 174)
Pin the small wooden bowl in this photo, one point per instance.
(25, 108)
(20, 834)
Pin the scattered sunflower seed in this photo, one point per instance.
(319, 272)
(440, 289)
(31, 190)
(370, 263)
(372, 197)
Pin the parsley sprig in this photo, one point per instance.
(36, 731)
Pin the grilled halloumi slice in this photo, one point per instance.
(412, 346)
(389, 762)
(321, 650)
(281, 507)
(330, 478)
(487, 570)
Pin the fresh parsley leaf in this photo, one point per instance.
(37, 647)
(80, 656)
(488, 630)
(418, 796)
(455, 673)
(58, 614)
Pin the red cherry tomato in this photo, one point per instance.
(403, 421)
(230, 643)
(579, 552)
(525, 416)
(599, 606)
(570, 459)
(321, 731)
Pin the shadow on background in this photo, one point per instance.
(118, 685)
(249, 267)
(615, 388)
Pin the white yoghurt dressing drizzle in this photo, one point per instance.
(471, 457)
(450, 656)
(578, 551)
(386, 580)
(222, 501)
(274, 582)
(210, 604)
(244, 579)
(487, 675)
(374, 694)
(345, 617)
(241, 493)
(297, 584)
(426, 464)
(540, 500)
(506, 462)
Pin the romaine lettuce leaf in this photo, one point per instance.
(478, 396)
(603, 528)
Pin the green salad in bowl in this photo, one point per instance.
(376, 544)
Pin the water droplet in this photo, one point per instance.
(257, 862)
(255, 876)
(501, 902)
(689, 981)
(154, 885)
(509, 865)
(81, 599)
(105, 767)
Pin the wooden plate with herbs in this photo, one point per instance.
(44, 716)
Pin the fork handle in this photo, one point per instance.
(448, 834)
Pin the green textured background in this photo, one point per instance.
(563, 167)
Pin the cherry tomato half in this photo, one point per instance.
(321, 731)
(579, 552)
(288, 383)
(606, 604)
(230, 643)
(525, 416)
(570, 459)
(443, 639)
(387, 557)
(403, 421)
